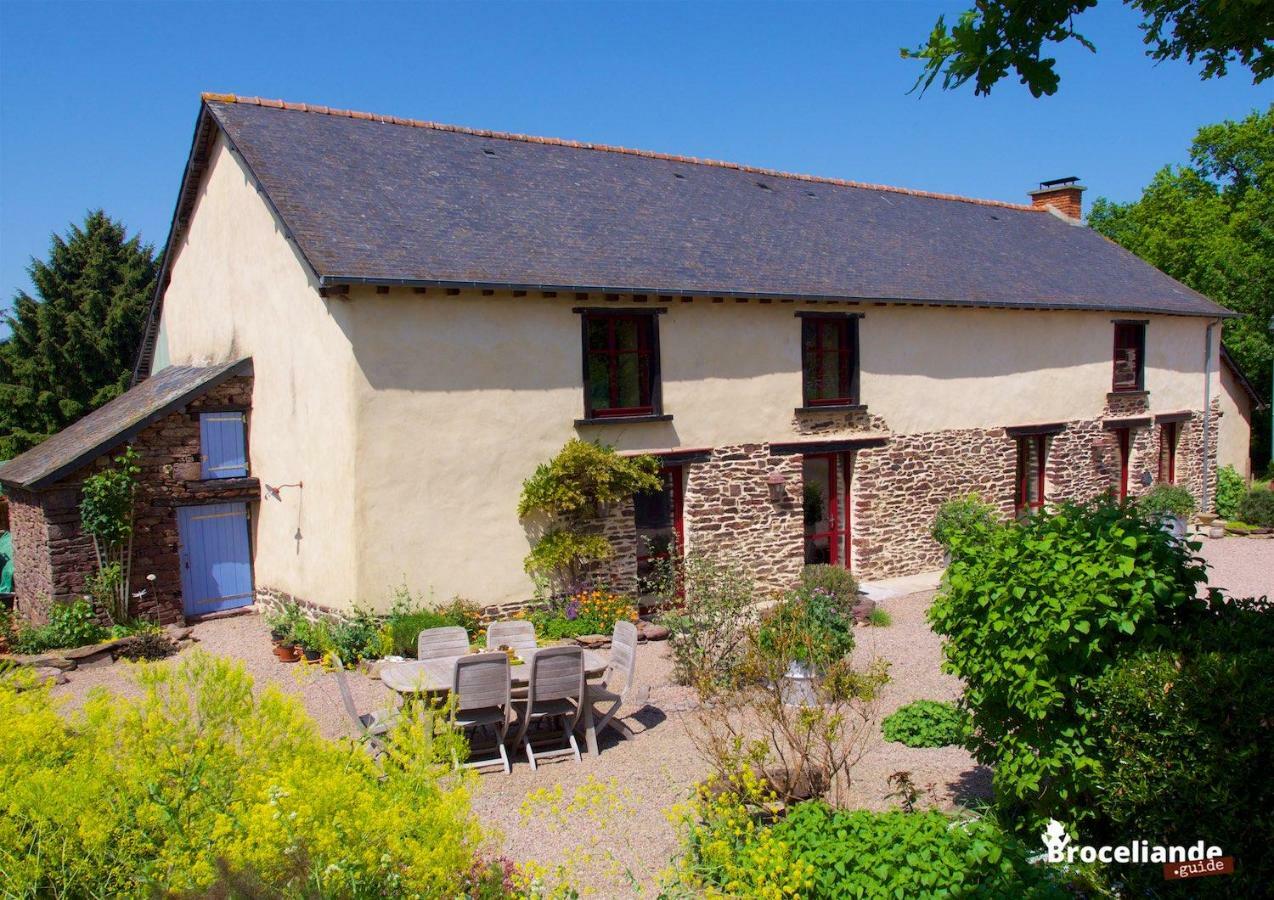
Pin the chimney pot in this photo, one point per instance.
(1062, 194)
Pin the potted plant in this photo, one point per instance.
(1170, 504)
(805, 634)
(285, 649)
(309, 637)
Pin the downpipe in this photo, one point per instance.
(1205, 504)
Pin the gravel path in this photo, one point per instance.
(1241, 566)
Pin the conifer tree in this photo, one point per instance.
(73, 345)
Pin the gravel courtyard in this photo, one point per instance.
(617, 837)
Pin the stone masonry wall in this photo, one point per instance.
(168, 454)
(32, 563)
(729, 513)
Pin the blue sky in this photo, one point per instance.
(98, 100)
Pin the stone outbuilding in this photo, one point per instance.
(195, 498)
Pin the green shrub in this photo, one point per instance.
(408, 617)
(810, 626)
(957, 517)
(1166, 500)
(817, 852)
(70, 625)
(834, 580)
(1186, 749)
(199, 788)
(879, 617)
(1257, 507)
(357, 637)
(1229, 491)
(709, 635)
(1034, 618)
(927, 723)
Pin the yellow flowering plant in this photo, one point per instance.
(590, 611)
(200, 785)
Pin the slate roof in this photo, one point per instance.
(115, 423)
(378, 199)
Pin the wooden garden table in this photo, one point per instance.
(435, 676)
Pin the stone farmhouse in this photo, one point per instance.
(369, 330)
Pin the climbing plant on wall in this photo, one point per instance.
(106, 513)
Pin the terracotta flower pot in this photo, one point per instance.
(285, 654)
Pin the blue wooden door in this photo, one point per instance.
(216, 562)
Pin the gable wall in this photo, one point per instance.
(240, 288)
(1236, 425)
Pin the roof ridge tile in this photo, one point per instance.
(214, 97)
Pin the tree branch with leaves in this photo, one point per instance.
(106, 513)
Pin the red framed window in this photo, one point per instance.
(1168, 453)
(660, 523)
(828, 526)
(829, 359)
(621, 364)
(1032, 453)
(1123, 438)
(1130, 351)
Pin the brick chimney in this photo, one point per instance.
(1061, 194)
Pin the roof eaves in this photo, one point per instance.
(334, 280)
(1241, 377)
(127, 434)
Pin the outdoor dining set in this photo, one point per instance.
(540, 695)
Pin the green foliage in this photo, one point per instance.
(710, 632)
(1032, 617)
(199, 788)
(1229, 491)
(1186, 748)
(356, 637)
(956, 517)
(563, 551)
(810, 626)
(73, 345)
(998, 35)
(583, 475)
(1166, 500)
(1257, 507)
(106, 513)
(585, 612)
(880, 618)
(70, 625)
(563, 496)
(927, 723)
(731, 849)
(834, 580)
(408, 617)
(1208, 225)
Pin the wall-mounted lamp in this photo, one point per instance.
(777, 483)
(273, 489)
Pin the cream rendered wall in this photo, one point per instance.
(459, 397)
(239, 288)
(1234, 435)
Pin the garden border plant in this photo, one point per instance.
(107, 508)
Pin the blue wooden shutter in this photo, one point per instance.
(222, 446)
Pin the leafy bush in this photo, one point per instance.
(106, 513)
(585, 612)
(70, 625)
(1229, 491)
(809, 626)
(927, 723)
(1033, 618)
(1185, 744)
(1166, 500)
(835, 580)
(408, 617)
(879, 617)
(146, 642)
(818, 852)
(199, 788)
(356, 637)
(1257, 507)
(956, 517)
(564, 495)
(709, 634)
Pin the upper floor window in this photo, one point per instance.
(222, 448)
(621, 363)
(829, 359)
(1130, 353)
